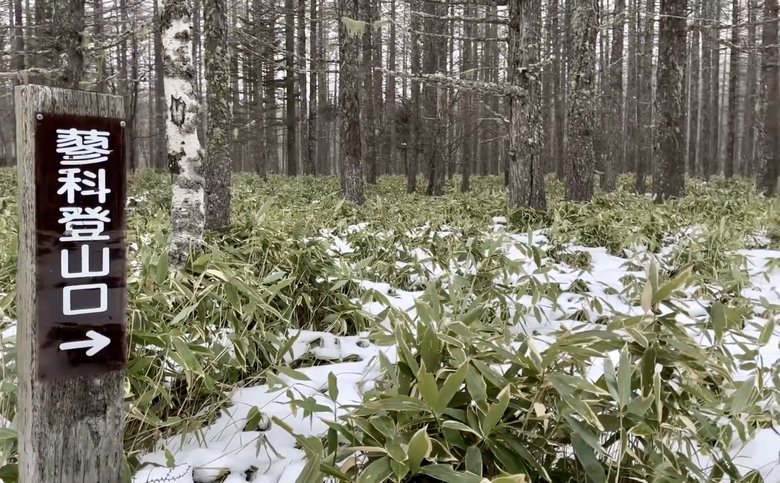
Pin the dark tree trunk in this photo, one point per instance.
(645, 115)
(694, 88)
(748, 128)
(732, 147)
(769, 135)
(581, 119)
(669, 173)
(349, 49)
(217, 166)
(614, 160)
(413, 143)
(290, 120)
(526, 172)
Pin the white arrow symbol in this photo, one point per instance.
(96, 342)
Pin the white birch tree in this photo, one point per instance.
(184, 153)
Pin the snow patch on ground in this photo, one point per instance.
(226, 447)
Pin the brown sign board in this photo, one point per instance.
(80, 253)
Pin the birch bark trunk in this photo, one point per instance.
(184, 153)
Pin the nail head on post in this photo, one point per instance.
(39, 117)
(122, 123)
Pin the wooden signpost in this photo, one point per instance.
(71, 293)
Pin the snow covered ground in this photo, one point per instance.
(224, 448)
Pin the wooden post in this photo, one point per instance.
(71, 340)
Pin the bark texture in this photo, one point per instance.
(290, 119)
(526, 173)
(614, 158)
(581, 119)
(349, 48)
(645, 108)
(732, 148)
(217, 165)
(435, 127)
(669, 153)
(769, 135)
(184, 153)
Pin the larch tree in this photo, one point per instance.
(669, 153)
(732, 142)
(390, 146)
(693, 93)
(434, 126)
(314, 87)
(748, 151)
(184, 153)
(217, 165)
(706, 151)
(415, 121)
(526, 172)
(581, 119)
(468, 123)
(303, 102)
(291, 115)
(367, 129)
(559, 76)
(350, 30)
(714, 114)
(645, 103)
(69, 29)
(769, 134)
(614, 158)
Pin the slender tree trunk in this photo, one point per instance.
(391, 147)
(197, 61)
(217, 166)
(271, 122)
(160, 103)
(769, 135)
(308, 165)
(124, 82)
(695, 87)
(376, 92)
(312, 128)
(714, 162)
(732, 148)
(349, 49)
(467, 110)
(72, 29)
(132, 98)
(669, 174)
(705, 150)
(184, 158)
(367, 130)
(434, 59)
(548, 88)
(412, 167)
(526, 172)
(492, 59)
(748, 128)
(323, 103)
(559, 69)
(236, 133)
(614, 160)
(261, 156)
(645, 111)
(631, 145)
(290, 115)
(580, 154)
(100, 68)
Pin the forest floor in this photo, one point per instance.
(450, 340)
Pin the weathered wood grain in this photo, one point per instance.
(70, 431)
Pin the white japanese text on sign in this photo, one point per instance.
(80, 175)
